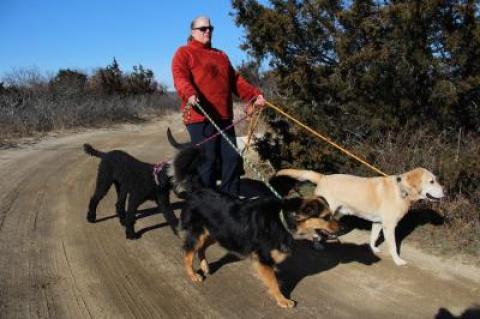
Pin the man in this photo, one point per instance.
(204, 75)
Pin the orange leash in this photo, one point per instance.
(326, 139)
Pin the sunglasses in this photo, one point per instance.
(204, 29)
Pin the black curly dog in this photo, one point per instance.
(134, 179)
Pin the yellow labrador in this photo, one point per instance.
(382, 200)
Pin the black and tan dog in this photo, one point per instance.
(137, 180)
(261, 228)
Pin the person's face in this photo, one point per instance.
(202, 31)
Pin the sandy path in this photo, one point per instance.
(56, 265)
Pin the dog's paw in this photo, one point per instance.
(196, 278)
(286, 303)
(375, 250)
(176, 230)
(132, 235)
(204, 267)
(91, 218)
(399, 261)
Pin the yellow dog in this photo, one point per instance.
(381, 200)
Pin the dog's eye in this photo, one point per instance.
(432, 181)
(308, 211)
(326, 215)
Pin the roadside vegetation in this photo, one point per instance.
(33, 104)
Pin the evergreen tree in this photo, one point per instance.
(141, 81)
(68, 82)
(358, 69)
(108, 80)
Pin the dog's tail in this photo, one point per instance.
(301, 175)
(91, 151)
(174, 143)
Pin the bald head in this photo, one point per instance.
(201, 29)
(200, 20)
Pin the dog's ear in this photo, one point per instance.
(313, 207)
(413, 181)
(323, 201)
(324, 210)
(296, 207)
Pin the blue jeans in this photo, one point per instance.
(218, 154)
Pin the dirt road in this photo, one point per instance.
(53, 264)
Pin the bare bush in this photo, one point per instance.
(27, 77)
(31, 104)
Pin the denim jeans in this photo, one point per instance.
(218, 155)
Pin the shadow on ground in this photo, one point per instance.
(470, 313)
(414, 219)
(305, 261)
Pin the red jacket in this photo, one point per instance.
(206, 72)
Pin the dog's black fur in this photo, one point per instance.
(134, 179)
(245, 227)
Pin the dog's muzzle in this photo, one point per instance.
(433, 198)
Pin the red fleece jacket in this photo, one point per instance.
(206, 72)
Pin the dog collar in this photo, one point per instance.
(284, 222)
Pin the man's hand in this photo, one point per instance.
(258, 103)
(192, 100)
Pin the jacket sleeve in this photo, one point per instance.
(241, 88)
(182, 77)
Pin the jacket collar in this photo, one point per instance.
(196, 44)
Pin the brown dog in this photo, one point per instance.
(381, 200)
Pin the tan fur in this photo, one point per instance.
(207, 242)
(317, 224)
(382, 200)
(203, 241)
(278, 256)
(267, 275)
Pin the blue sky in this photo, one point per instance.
(85, 34)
